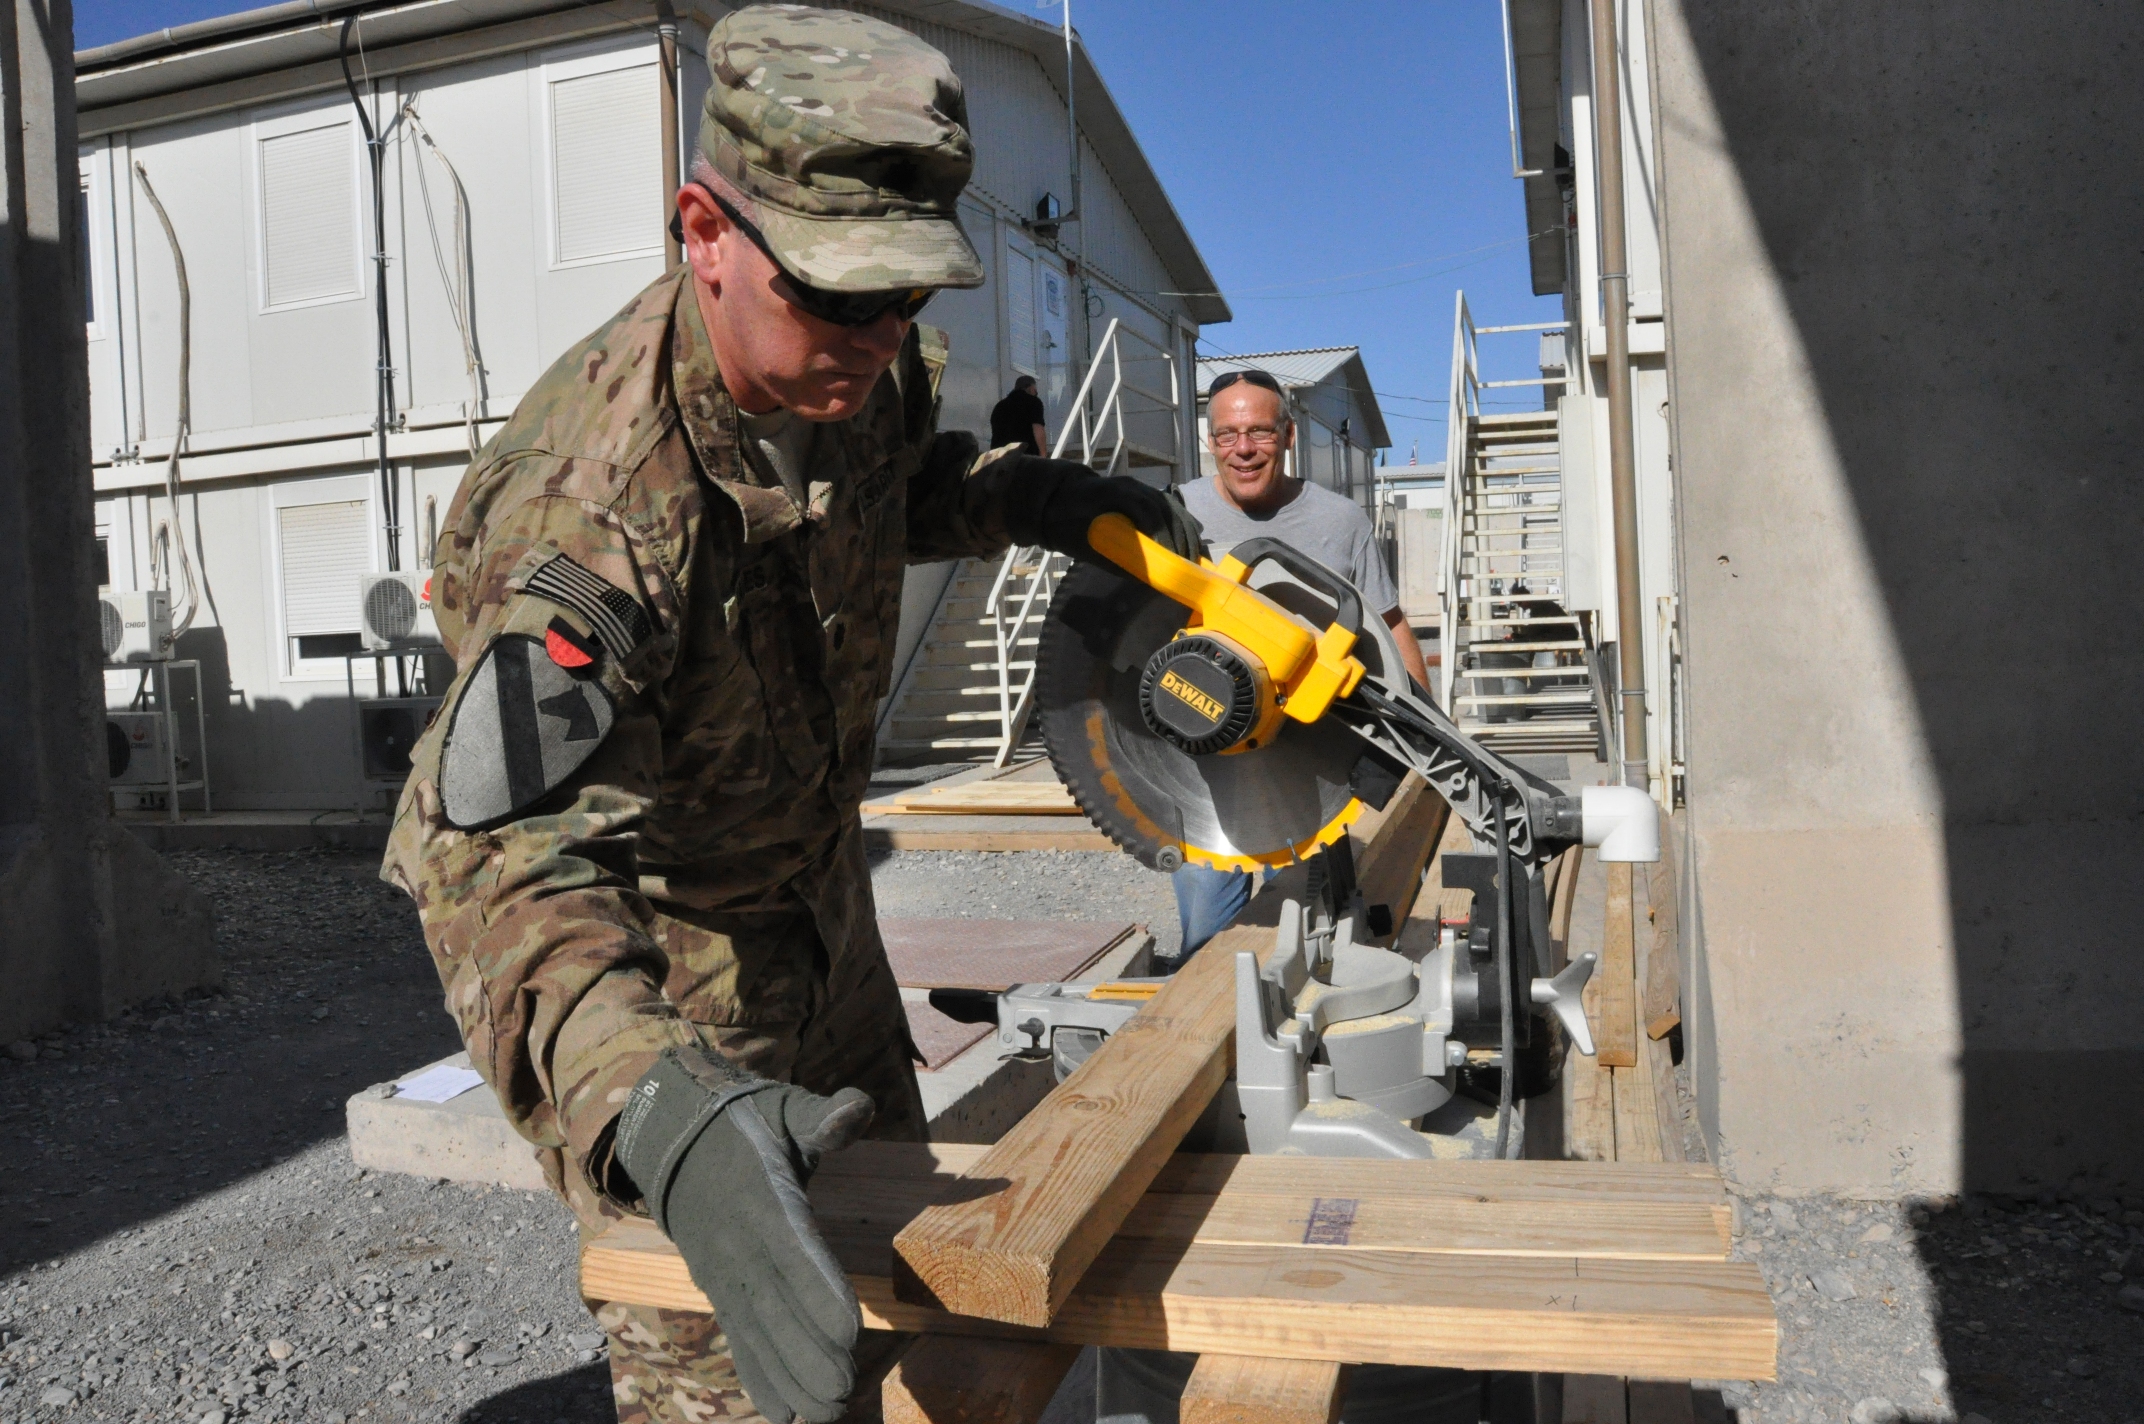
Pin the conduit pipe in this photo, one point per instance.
(383, 347)
(1622, 460)
(666, 33)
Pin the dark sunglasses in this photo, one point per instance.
(839, 308)
(1256, 377)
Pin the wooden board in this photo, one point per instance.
(1594, 1399)
(984, 833)
(988, 798)
(1710, 1320)
(1044, 1201)
(1614, 1031)
(1243, 1389)
(947, 1380)
(1662, 1007)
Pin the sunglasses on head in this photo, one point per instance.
(839, 308)
(1262, 379)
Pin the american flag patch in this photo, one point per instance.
(616, 617)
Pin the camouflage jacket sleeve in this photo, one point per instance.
(534, 918)
(962, 501)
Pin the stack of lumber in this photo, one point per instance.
(1535, 1266)
(1082, 1225)
(989, 808)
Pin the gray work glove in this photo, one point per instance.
(1065, 498)
(721, 1157)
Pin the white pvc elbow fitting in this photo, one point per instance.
(1621, 822)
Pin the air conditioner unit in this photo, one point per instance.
(387, 730)
(136, 749)
(135, 627)
(395, 611)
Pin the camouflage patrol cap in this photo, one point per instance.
(847, 139)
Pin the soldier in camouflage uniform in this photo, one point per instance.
(671, 586)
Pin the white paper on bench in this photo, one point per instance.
(438, 1083)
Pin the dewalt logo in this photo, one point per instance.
(1197, 701)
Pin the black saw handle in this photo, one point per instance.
(1347, 603)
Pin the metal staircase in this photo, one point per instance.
(1515, 671)
(967, 692)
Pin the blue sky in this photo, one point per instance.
(1344, 165)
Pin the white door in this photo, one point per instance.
(1020, 313)
(1053, 304)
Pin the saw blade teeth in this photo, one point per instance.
(1285, 801)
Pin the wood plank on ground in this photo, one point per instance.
(1246, 1389)
(1588, 1088)
(943, 1379)
(1614, 1035)
(1046, 1198)
(1662, 1007)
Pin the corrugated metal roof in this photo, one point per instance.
(1292, 368)
(1311, 366)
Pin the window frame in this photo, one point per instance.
(283, 122)
(605, 56)
(94, 162)
(291, 494)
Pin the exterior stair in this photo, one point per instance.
(1518, 679)
(968, 693)
(951, 706)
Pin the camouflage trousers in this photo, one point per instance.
(674, 1367)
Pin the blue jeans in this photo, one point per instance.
(1207, 902)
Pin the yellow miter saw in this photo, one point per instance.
(1197, 718)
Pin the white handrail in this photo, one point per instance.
(1019, 600)
(1464, 413)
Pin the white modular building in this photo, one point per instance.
(524, 151)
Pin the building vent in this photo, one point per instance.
(606, 166)
(397, 611)
(309, 216)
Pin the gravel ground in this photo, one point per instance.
(184, 1232)
(1997, 1308)
(1026, 885)
(185, 1238)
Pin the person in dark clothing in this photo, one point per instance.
(1017, 419)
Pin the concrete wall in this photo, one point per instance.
(1903, 328)
(94, 920)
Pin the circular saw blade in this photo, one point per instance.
(1257, 808)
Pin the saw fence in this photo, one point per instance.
(1084, 1226)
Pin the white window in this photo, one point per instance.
(308, 190)
(604, 123)
(322, 551)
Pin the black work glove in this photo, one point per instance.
(1065, 498)
(722, 1157)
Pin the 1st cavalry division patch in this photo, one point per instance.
(528, 716)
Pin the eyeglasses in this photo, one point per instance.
(1265, 380)
(839, 308)
(1259, 435)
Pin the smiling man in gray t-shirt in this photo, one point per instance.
(1252, 496)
